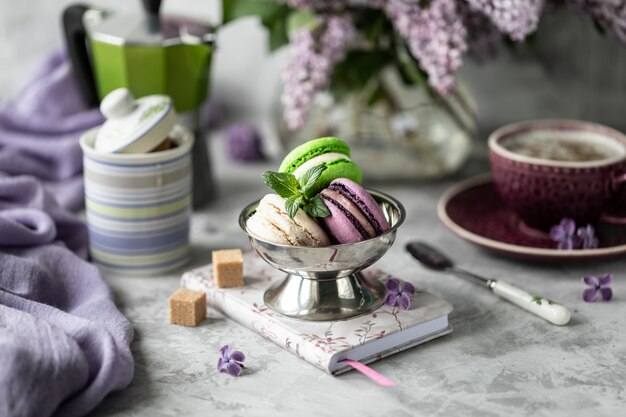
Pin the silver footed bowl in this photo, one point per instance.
(325, 283)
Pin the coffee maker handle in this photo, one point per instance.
(75, 39)
(152, 6)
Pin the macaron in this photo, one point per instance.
(271, 223)
(355, 215)
(329, 151)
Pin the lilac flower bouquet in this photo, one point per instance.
(342, 45)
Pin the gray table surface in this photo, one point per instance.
(499, 360)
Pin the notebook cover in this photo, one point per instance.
(315, 342)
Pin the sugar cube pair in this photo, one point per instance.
(187, 307)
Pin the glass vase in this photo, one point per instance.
(395, 131)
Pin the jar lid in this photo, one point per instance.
(134, 126)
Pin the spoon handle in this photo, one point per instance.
(546, 309)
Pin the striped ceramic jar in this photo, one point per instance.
(139, 206)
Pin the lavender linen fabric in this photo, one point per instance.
(63, 344)
(40, 128)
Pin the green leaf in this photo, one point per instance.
(300, 19)
(277, 31)
(356, 69)
(264, 9)
(374, 25)
(285, 185)
(272, 14)
(376, 95)
(316, 208)
(292, 204)
(601, 29)
(310, 177)
(412, 74)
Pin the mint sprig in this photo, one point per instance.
(292, 204)
(298, 193)
(285, 185)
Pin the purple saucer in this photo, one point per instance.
(474, 211)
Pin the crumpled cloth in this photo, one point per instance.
(40, 128)
(63, 344)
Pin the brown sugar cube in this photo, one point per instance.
(228, 268)
(187, 307)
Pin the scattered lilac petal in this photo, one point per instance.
(238, 356)
(405, 301)
(569, 226)
(230, 361)
(398, 293)
(557, 233)
(568, 237)
(598, 286)
(225, 351)
(590, 295)
(392, 284)
(564, 234)
(243, 143)
(407, 287)
(391, 299)
(605, 280)
(591, 281)
(233, 369)
(587, 237)
(607, 294)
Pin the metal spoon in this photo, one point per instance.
(542, 307)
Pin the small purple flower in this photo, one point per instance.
(243, 143)
(597, 286)
(570, 237)
(587, 237)
(398, 293)
(231, 361)
(608, 14)
(565, 234)
(516, 18)
(435, 35)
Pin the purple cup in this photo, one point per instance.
(544, 191)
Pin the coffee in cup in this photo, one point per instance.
(547, 170)
(563, 146)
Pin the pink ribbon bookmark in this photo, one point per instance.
(370, 373)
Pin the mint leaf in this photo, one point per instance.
(285, 185)
(292, 204)
(316, 207)
(310, 177)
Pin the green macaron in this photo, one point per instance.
(329, 151)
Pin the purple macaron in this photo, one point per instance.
(355, 216)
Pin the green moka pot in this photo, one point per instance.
(149, 54)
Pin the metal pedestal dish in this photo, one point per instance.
(325, 283)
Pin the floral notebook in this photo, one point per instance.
(365, 338)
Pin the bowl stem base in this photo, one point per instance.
(325, 300)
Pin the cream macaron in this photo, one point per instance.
(271, 223)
